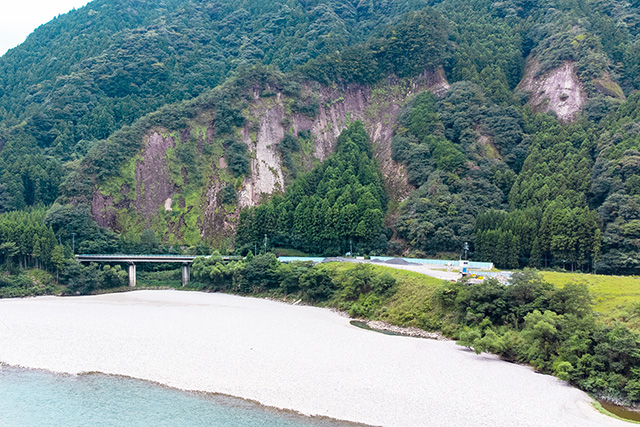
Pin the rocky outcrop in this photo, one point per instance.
(559, 90)
(216, 223)
(153, 176)
(267, 127)
(102, 209)
(338, 108)
(266, 170)
(268, 120)
(146, 191)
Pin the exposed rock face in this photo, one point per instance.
(215, 222)
(268, 120)
(338, 108)
(266, 170)
(560, 90)
(153, 178)
(153, 185)
(103, 211)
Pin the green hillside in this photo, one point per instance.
(616, 297)
(390, 127)
(86, 74)
(510, 125)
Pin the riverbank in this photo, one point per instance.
(300, 358)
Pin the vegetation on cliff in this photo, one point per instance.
(523, 187)
(339, 204)
(222, 88)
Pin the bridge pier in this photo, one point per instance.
(186, 274)
(132, 274)
(131, 260)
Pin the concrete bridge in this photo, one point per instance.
(185, 260)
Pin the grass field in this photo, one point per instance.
(615, 297)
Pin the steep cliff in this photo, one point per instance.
(180, 183)
(561, 90)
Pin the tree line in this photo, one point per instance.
(338, 205)
(25, 241)
(553, 329)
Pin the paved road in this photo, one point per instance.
(423, 269)
(418, 268)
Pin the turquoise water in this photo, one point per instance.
(36, 398)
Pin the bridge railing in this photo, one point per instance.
(143, 258)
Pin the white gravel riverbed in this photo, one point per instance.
(302, 358)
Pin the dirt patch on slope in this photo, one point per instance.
(559, 90)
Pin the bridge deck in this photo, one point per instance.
(185, 259)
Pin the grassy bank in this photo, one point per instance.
(30, 282)
(410, 303)
(616, 298)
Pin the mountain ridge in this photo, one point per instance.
(227, 133)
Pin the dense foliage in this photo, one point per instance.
(360, 291)
(458, 175)
(25, 241)
(417, 43)
(523, 188)
(553, 329)
(340, 203)
(29, 251)
(96, 70)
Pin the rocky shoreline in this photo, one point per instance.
(379, 325)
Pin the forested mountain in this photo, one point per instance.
(86, 74)
(511, 125)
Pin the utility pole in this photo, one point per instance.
(265, 244)
(73, 243)
(464, 262)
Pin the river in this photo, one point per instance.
(305, 359)
(39, 398)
